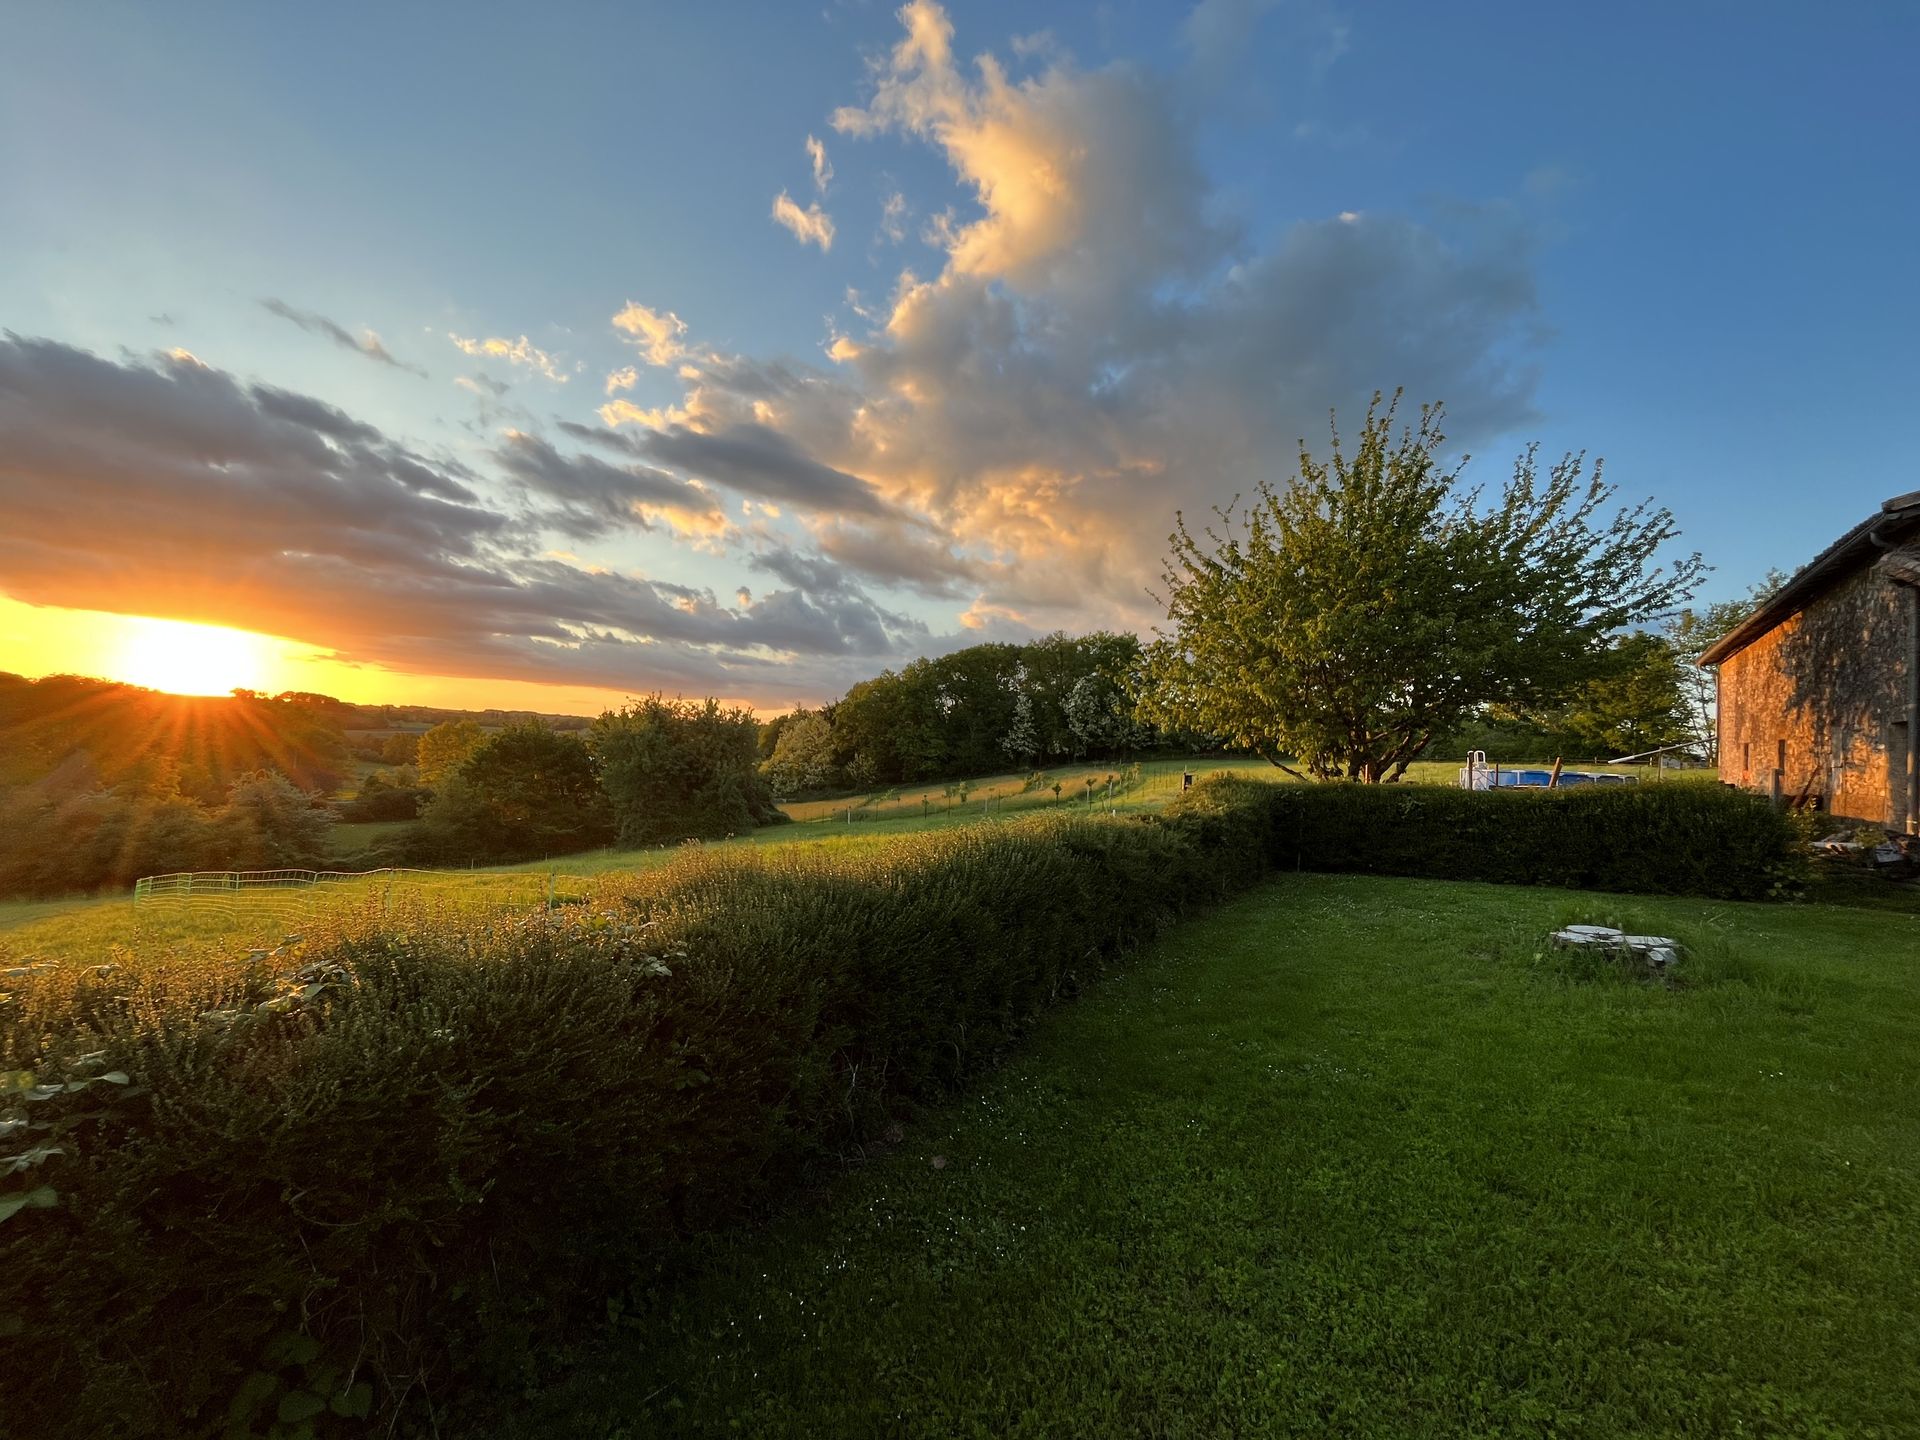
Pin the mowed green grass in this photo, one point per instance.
(1358, 1156)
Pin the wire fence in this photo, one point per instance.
(265, 907)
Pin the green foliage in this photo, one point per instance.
(970, 711)
(525, 791)
(401, 749)
(1635, 704)
(389, 796)
(681, 769)
(1373, 603)
(445, 748)
(100, 838)
(1707, 840)
(428, 1131)
(270, 824)
(801, 758)
(78, 733)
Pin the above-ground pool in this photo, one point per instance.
(1481, 774)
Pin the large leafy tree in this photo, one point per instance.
(1376, 601)
(681, 769)
(527, 790)
(445, 748)
(1637, 703)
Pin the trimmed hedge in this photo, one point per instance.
(1675, 839)
(424, 1141)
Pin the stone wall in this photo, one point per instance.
(1819, 704)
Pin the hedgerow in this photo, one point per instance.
(1675, 839)
(286, 1189)
(417, 1138)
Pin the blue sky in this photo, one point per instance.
(1678, 237)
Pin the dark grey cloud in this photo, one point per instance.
(167, 487)
(586, 496)
(367, 344)
(750, 458)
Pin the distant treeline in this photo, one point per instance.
(983, 709)
(101, 783)
(657, 771)
(76, 734)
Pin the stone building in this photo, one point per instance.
(1820, 686)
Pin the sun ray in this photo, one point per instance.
(186, 658)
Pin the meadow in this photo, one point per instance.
(86, 928)
(1357, 1156)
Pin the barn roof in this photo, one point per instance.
(1896, 520)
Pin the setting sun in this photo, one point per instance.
(189, 659)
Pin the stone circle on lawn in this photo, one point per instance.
(1658, 952)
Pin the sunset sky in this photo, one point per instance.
(535, 355)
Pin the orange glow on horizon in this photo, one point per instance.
(184, 658)
(198, 659)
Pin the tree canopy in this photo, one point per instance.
(1376, 601)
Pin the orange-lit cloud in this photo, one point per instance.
(515, 352)
(811, 226)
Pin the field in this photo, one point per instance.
(84, 929)
(1356, 1157)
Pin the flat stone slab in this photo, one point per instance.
(1659, 951)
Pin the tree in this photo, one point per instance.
(1637, 704)
(1022, 741)
(270, 823)
(528, 790)
(445, 748)
(802, 757)
(1691, 633)
(1098, 715)
(681, 769)
(1376, 603)
(401, 749)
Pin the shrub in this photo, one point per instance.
(1683, 839)
(430, 1135)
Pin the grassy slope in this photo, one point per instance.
(1352, 1157)
(84, 927)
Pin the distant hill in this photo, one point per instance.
(76, 733)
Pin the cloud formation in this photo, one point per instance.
(210, 499)
(822, 167)
(811, 226)
(657, 333)
(515, 352)
(1102, 344)
(367, 342)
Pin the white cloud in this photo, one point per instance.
(822, 167)
(1097, 349)
(656, 332)
(811, 226)
(624, 378)
(514, 352)
(893, 218)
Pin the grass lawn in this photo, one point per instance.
(1356, 1156)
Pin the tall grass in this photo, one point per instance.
(424, 1134)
